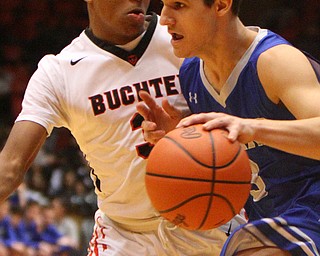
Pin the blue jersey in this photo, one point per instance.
(32, 235)
(279, 178)
(7, 235)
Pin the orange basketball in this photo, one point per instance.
(198, 179)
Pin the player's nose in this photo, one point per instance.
(166, 18)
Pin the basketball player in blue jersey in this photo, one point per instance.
(266, 93)
(91, 88)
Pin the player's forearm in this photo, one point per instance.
(301, 137)
(21, 148)
(11, 177)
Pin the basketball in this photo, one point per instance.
(198, 179)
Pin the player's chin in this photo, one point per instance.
(180, 53)
(133, 28)
(180, 49)
(132, 33)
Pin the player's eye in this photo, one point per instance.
(178, 5)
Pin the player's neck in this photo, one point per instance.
(222, 59)
(131, 45)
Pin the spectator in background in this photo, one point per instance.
(36, 185)
(31, 220)
(41, 233)
(66, 224)
(51, 241)
(5, 91)
(10, 245)
(16, 214)
(5, 234)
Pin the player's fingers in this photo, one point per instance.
(170, 109)
(150, 132)
(185, 121)
(148, 126)
(233, 135)
(216, 123)
(193, 119)
(154, 136)
(148, 100)
(224, 122)
(144, 111)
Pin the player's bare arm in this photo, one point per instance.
(288, 78)
(23, 144)
(297, 87)
(158, 120)
(301, 137)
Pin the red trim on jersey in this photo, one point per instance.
(93, 248)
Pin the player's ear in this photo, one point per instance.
(223, 6)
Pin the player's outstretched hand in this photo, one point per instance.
(239, 128)
(158, 120)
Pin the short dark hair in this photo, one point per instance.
(235, 5)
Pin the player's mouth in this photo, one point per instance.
(137, 15)
(176, 37)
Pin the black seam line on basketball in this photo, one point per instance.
(204, 219)
(197, 196)
(197, 161)
(197, 179)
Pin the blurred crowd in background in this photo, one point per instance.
(56, 203)
(57, 196)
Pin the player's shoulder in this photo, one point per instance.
(74, 47)
(79, 43)
(70, 56)
(264, 42)
(273, 53)
(287, 58)
(282, 52)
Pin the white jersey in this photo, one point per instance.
(91, 88)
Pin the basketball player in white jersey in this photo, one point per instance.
(91, 88)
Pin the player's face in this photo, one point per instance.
(191, 24)
(117, 21)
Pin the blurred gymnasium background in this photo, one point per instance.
(30, 29)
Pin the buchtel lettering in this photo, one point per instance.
(128, 94)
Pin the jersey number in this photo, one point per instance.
(144, 149)
(259, 187)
